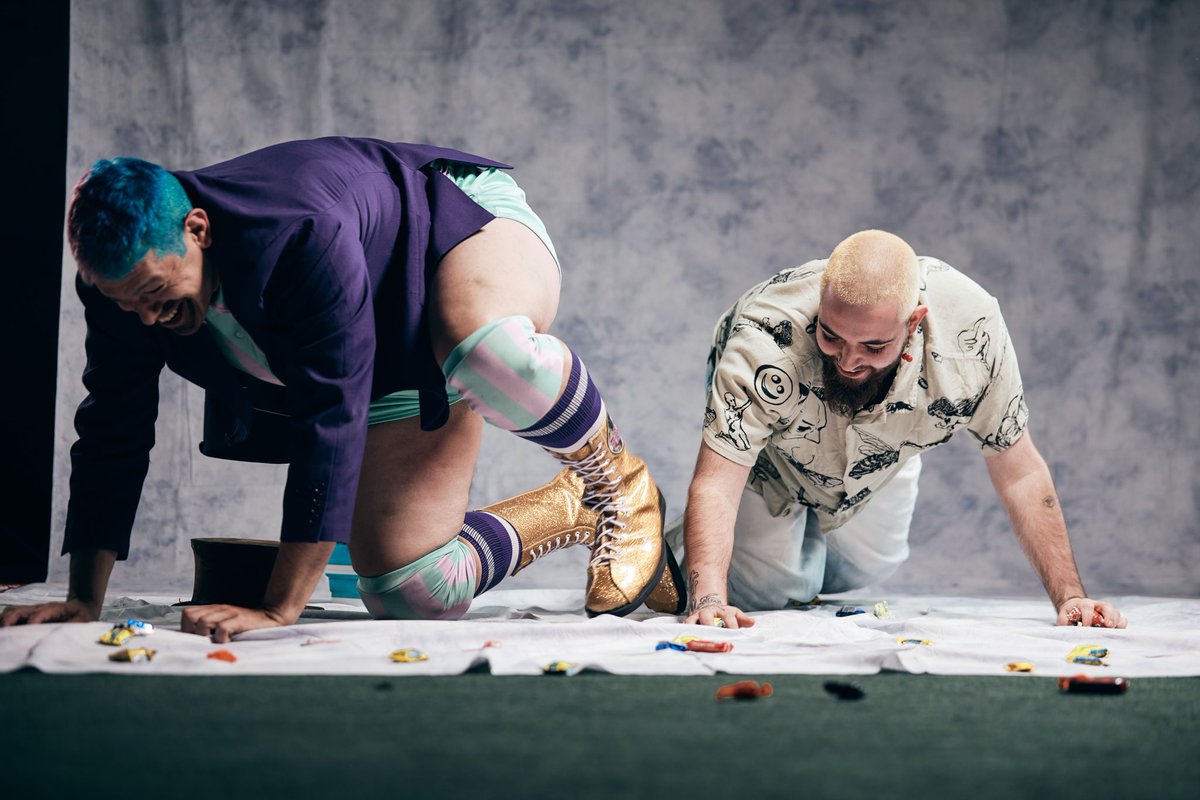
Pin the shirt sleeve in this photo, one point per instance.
(322, 305)
(1001, 416)
(752, 381)
(114, 424)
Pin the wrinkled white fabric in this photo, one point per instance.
(970, 636)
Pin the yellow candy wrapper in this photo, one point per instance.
(1088, 654)
(133, 654)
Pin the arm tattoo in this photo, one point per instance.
(694, 603)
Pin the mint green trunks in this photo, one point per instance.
(497, 192)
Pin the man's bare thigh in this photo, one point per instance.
(413, 489)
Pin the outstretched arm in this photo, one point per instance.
(1023, 484)
(713, 499)
(298, 568)
(90, 570)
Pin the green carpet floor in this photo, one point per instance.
(481, 736)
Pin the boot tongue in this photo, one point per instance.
(615, 445)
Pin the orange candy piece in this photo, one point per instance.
(744, 690)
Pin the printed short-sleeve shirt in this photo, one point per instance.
(766, 408)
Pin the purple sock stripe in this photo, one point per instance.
(571, 397)
(495, 542)
(573, 416)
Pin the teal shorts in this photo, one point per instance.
(497, 192)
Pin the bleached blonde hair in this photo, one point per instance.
(871, 267)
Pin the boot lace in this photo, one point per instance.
(559, 542)
(602, 493)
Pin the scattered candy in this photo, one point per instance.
(844, 691)
(670, 646)
(122, 632)
(882, 611)
(1019, 666)
(683, 638)
(1085, 684)
(117, 636)
(133, 654)
(744, 690)
(705, 646)
(492, 643)
(222, 655)
(562, 668)
(914, 641)
(849, 611)
(1088, 654)
(720, 623)
(408, 655)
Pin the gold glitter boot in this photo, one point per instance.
(670, 595)
(548, 518)
(628, 554)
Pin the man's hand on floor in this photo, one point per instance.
(64, 611)
(220, 623)
(1084, 611)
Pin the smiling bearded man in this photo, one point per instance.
(815, 490)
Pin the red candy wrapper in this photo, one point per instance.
(744, 690)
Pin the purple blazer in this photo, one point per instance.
(325, 249)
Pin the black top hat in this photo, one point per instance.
(232, 571)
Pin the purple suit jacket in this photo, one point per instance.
(325, 249)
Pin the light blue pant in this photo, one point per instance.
(779, 559)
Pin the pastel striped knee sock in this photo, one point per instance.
(513, 377)
(441, 584)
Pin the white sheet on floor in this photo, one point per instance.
(969, 636)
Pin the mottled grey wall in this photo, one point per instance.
(681, 151)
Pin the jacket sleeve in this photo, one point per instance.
(319, 301)
(115, 425)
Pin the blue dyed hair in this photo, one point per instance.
(122, 209)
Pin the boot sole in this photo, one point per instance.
(646, 591)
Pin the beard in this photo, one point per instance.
(846, 397)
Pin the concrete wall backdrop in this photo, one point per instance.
(681, 151)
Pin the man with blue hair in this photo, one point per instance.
(337, 299)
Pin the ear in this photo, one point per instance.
(196, 223)
(915, 318)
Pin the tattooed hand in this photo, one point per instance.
(713, 609)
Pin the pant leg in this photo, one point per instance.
(874, 543)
